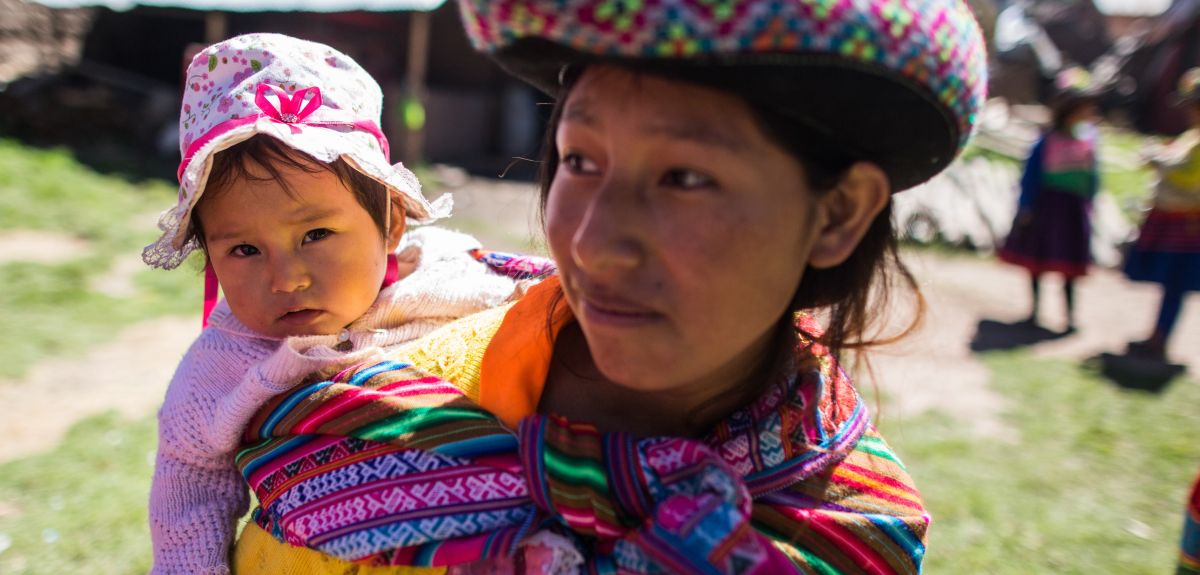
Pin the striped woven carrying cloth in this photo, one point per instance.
(388, 465)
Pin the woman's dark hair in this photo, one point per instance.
(230, 165)
(850, 295)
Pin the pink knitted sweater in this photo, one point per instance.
(197, 494)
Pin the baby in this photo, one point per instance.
(286, 187)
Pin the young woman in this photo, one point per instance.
(715, 178)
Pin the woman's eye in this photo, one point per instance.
(244, 250)
(687, 179)
(578, 164)
(316, 235)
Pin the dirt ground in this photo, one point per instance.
(980, 302)
(39, 247)
(969, 300)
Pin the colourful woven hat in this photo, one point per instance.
(897, 82)
(307, 95)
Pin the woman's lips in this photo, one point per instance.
(616, 313)
(300, 317)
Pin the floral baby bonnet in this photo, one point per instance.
(307, 95)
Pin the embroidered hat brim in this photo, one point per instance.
(896, 82)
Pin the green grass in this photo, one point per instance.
(1125, 178)
(82, 507)
(1093, 464)
(50, 310)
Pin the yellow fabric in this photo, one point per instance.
(454, 352)
(1186, 174)
(257, 552)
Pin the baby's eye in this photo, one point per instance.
(577, 164)
(687, 179)
(316, 235)
(244, 250)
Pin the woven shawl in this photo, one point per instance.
(389, 465)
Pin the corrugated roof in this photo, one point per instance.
(1132, 7)
(258, 5)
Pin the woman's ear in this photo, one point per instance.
(397, 223)
(848, 211)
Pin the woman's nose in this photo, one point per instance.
(289, 274)
(608, 239)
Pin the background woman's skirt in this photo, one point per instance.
(1167, 250)
(1056, 239)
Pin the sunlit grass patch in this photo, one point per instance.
(82, 507)
(50, 309)
(1095, 484)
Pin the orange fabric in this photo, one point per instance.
(514, 367)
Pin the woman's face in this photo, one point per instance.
(680, 230)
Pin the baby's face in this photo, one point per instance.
(304, 259)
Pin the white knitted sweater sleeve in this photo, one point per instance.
(197, 494)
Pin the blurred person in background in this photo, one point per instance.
(1167, 250)
(1052, 229)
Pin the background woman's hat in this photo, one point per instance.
(896, 82)
(1073, 85)
(309, 96)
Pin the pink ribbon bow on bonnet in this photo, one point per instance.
(307, 95)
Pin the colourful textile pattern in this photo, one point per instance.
(1069, 165)
(385, 464)
(1189, 547)
(1167, 250)
(517, 266)
(1170, 231)
(934, 44)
